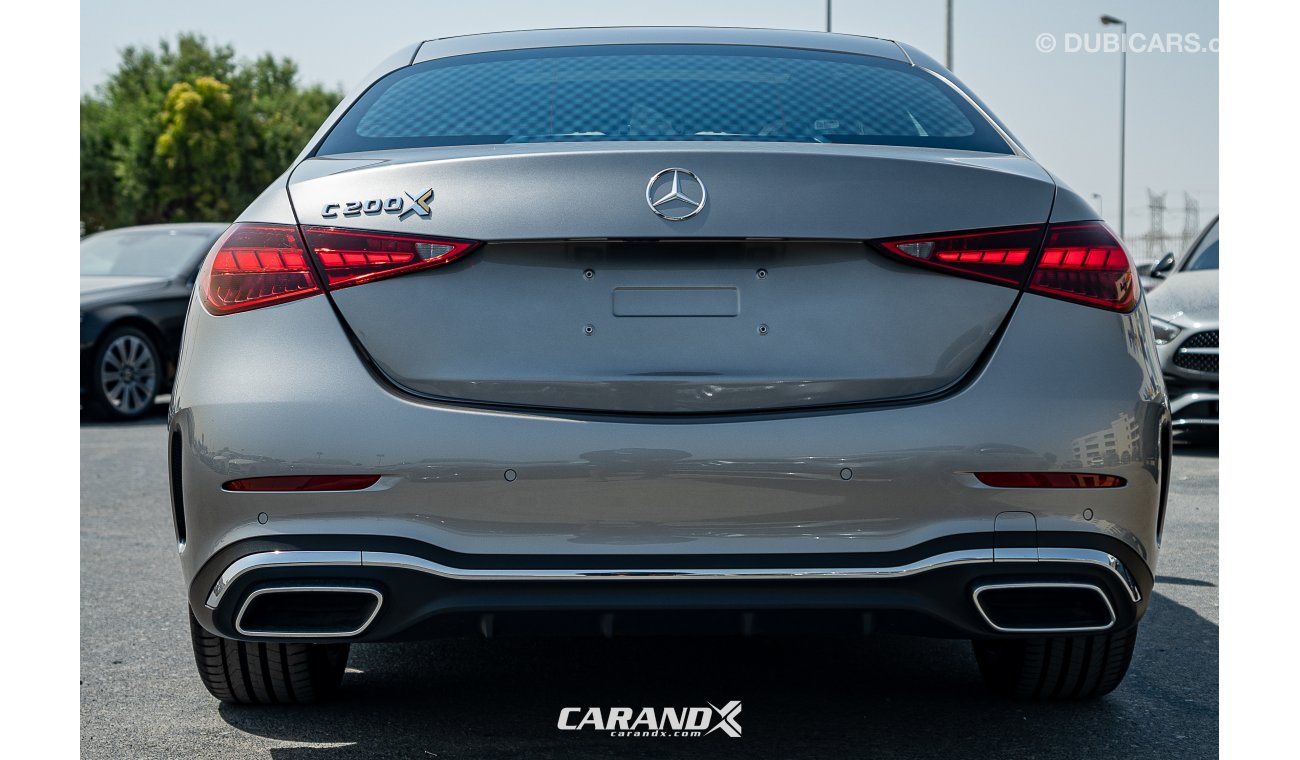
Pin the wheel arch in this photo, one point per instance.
(119, 317)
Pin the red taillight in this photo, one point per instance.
(304, 483)
(349, 257)
(1082, 262)
(1086, 263)
(255, 265)
(1049, 480)
(1002, 256)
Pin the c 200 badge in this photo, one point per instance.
(416, 204)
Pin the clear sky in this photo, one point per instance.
(1063, 105)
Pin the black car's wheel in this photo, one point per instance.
(245, 673)
(125, 376)
(1071, 667)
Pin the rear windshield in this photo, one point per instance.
(660, 92)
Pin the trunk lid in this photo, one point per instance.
(584, 298)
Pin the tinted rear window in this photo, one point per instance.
(660, 92)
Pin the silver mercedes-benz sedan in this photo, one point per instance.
(1184, 309)
(629, 331)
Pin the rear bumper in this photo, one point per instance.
(1193, 404)
(928, 590)
(851, 489)
(1195, 409)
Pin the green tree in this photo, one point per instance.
(189, 133)
(200, 148)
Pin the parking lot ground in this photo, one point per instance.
(879, 697)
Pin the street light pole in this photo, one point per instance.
(828, 15)
(947, 59)
(1099, 206)
(1123, 103)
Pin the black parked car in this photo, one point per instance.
(135, 287)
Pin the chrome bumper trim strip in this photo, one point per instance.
(277, 559)
(1177, 405)
(419, 564)
(385, 559)
(1095, 557)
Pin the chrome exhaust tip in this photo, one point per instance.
(310, 612)
(1044, 607)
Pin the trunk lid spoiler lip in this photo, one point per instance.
(487, 42)
(317, 166)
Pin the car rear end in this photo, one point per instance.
(640, 330)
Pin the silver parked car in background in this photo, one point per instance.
(1185, 315)
(620, 331)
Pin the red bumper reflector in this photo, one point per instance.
(1049, 480)
(304, 483)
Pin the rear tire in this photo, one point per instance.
(244, 673)
(1069, 667)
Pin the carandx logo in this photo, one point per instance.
(649, 721)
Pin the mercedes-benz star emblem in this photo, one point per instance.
(677, 199)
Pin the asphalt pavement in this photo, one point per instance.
(878, 697)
